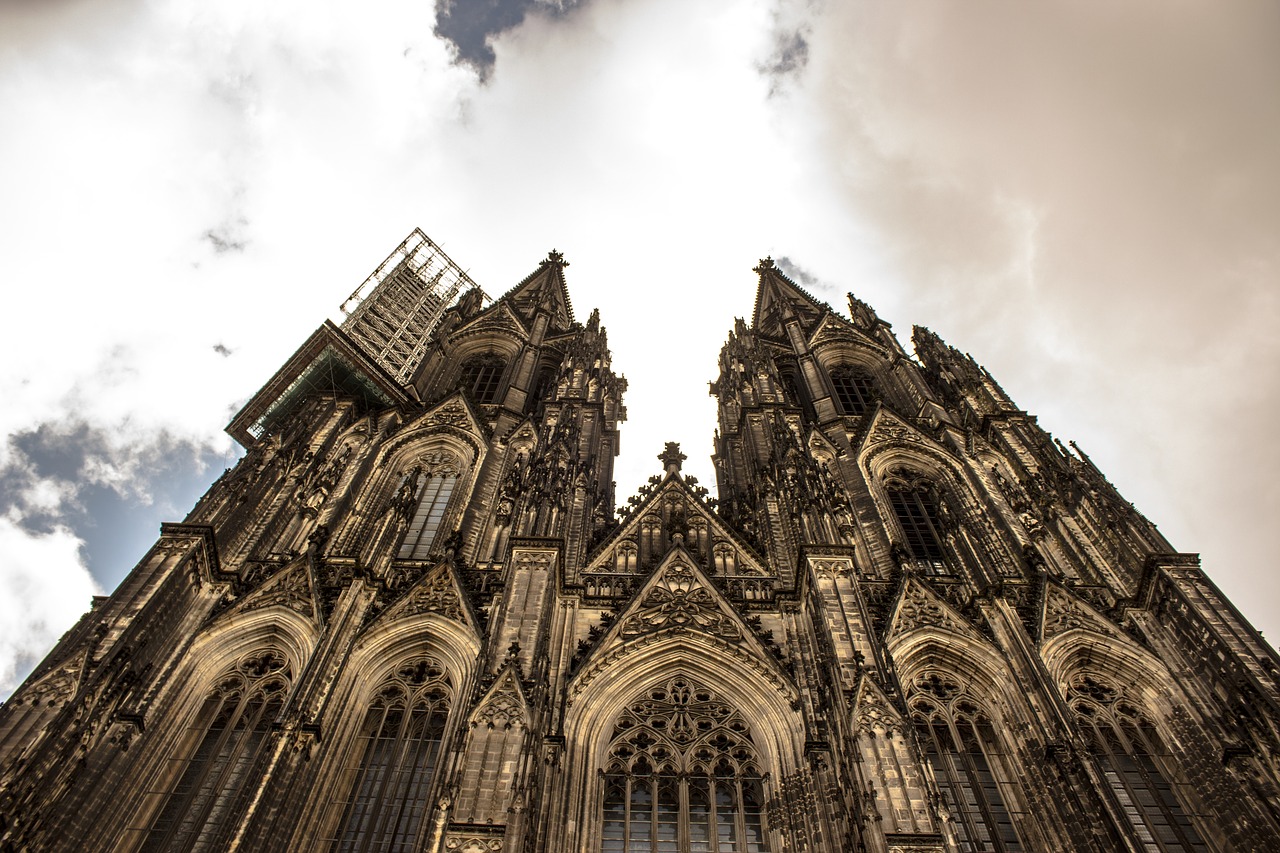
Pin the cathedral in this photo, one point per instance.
(414, 618)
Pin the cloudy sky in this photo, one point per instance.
(1083, 194)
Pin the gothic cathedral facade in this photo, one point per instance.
(411, 618)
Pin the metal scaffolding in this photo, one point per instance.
(393, 313)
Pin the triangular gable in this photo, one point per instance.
(290, 587)
(504, 704)
(920, 607)
(872, 710)
(779, 300)
(453, 411)
(438, 592)
(1063, 611)
(747, 562)
(835, 329)
(543, 289)
(886, 426)
(523, 437)
(498, 317)
(679, 598)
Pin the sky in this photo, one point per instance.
(1084, 195)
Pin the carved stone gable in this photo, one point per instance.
(873, 712)
(918, 607)
(680, 600)
(503, 707)
(1064, 612)
(290, 588)
(502, 318)
(888, 428)
(435, 593)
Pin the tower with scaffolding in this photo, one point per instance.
(390, 321)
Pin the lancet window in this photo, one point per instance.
(224, 744)
(917, 509)
(394, 762)
(431, 483)
(481, 377)
(682, 776)
(855, 392)
(1134, 761)
(961, 745)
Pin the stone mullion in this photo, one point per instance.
(59, 763)
(1055, 722)
(289, 799)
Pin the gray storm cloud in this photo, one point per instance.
(1087, 197)
(470, 27)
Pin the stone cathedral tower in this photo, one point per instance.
(410, 619)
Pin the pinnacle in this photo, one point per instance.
(671, 457)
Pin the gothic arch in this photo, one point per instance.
(847, 349)
(276, 632)
(921, 456)
(959, 493)
(1148, 741)
(598, 700)
(443, 656)
(972, 660)
(426, 445)
(1080, 650)
(963, 701)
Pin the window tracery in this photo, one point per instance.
(960, 744)
(1133, 758)
(394, 762)
(682, 776)
(919, 511)
(429, 486)
(228, 736)
(855, 391)
(480, 377)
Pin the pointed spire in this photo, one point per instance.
(543, 290)
(780, 300)
(862, 314)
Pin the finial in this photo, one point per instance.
(557, 258)
(671, 457)
(766, 263)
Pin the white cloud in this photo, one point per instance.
(43, 590)
(1083, 196)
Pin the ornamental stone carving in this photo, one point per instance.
(679, 600)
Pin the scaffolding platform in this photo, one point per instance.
(394, 312)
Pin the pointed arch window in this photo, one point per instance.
(1132, 758)
(481, 376)
(916, 507)
(227, 738)
(855, 391)
(961, 746)
(682, 777)
(428, 488)
(394, 763)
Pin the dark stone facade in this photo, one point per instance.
(411, 619)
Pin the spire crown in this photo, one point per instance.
(671, 457)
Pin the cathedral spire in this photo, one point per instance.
(779, 300)
(544, 290)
